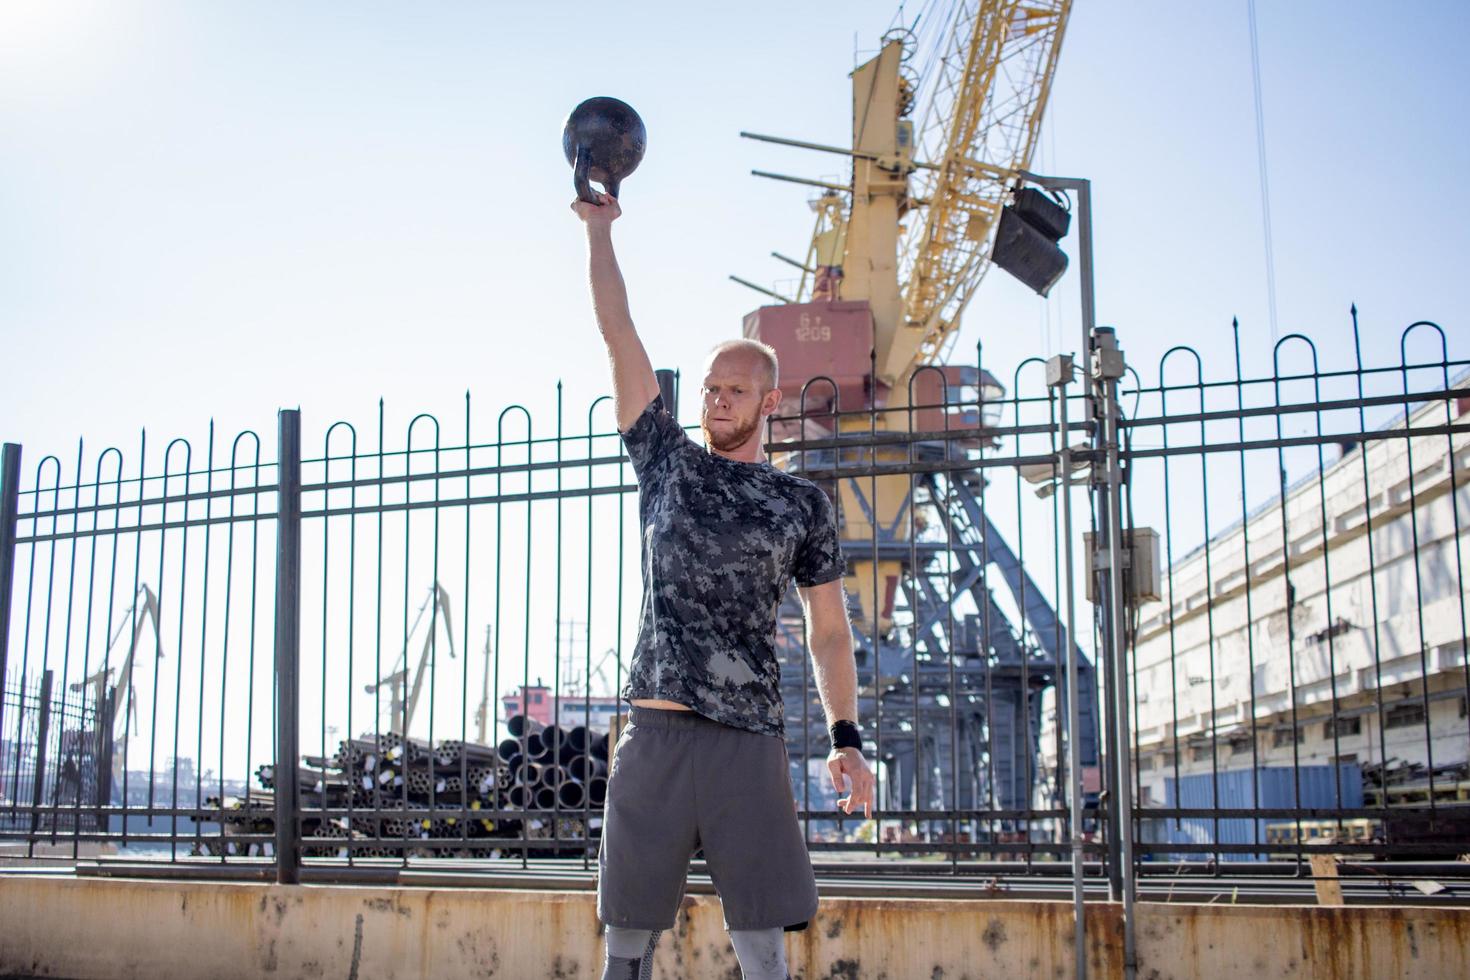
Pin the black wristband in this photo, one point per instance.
(845, 735)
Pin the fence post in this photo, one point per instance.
(38, 791)
(1107, 368)
(1060, 373)
(9, 511)
(288, 647)
(102, 724)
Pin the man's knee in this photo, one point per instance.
(629, 954)
(761, 952)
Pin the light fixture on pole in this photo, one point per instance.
(1026, 240)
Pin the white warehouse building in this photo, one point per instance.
(1227, 681)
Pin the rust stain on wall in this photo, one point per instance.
(118, 929)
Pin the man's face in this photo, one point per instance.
(737, 396)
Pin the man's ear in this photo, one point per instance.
(771, 401)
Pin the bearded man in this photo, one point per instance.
(703, 763)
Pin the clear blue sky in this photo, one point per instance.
(219, 210)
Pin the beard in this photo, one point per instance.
(734, 438)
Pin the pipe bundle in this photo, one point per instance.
(539, 768)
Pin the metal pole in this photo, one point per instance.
(1120, 843)
(43, 731)
(1107, 368)
(1084, 259)
(1060, 376)
(9, 511)
(104, 720)
(1116, 861)
(288, 648)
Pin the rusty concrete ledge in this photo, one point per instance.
(119, 929)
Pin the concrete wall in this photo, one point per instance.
(111, 928)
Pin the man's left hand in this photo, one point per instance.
(849, 762)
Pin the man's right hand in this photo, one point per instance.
(603, 213)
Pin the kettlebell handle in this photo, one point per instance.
(583, 182)
(579, 175)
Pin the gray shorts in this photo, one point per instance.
(679, 782)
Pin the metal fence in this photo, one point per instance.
(1300, 687)
(385, 653)
(58, 768)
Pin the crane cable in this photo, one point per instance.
(1261, 158)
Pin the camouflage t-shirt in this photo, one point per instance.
(721, 541)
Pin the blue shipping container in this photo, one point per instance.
(1270, 787)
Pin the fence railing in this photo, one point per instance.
(58, 770)
(1300, 686)
(406, 651)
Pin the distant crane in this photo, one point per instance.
(400, 714)
(120, 705)
(483, 711)
(575, 686)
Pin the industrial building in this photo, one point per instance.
(1352, 651)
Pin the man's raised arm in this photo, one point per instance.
(634, 384)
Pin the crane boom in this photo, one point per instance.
(912, 239)
(122, 692)
(400, 713)
(122, 705)
(980, 127)
(441, 607)
(893, 270)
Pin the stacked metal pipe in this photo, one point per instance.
(254, 816)
(539, 768)
(555, 768)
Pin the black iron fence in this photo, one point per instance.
(1298, 681)
(56, 772)
(376, 651)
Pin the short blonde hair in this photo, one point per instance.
(764, 351)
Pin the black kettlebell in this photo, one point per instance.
(604, 141)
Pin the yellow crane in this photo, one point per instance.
(910, 237)
(979, 128)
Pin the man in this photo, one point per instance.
(703, 762)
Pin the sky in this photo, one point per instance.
(213, 211)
